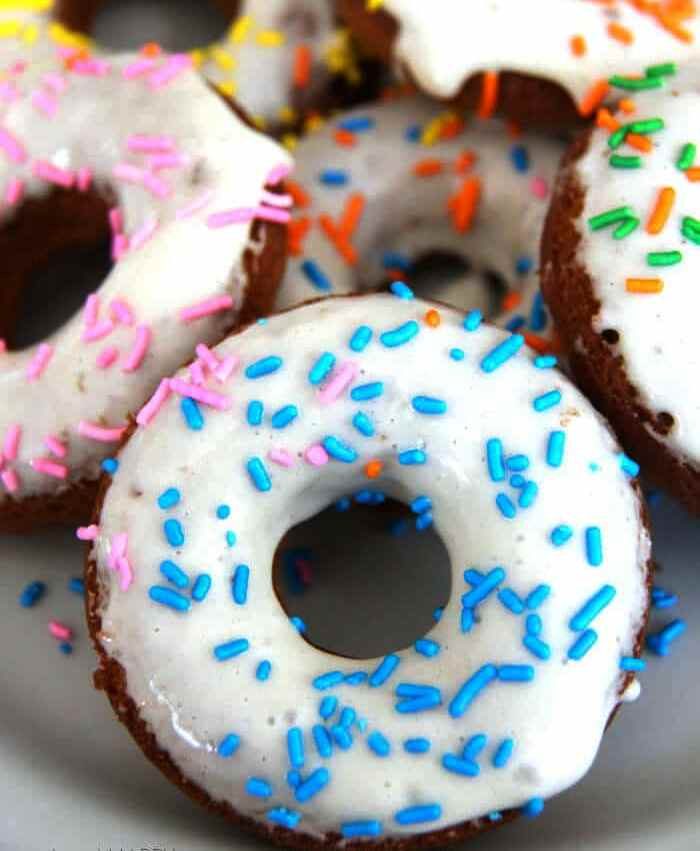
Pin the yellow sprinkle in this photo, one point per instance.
(270, 38)
(30, 34)
(227, 88)
(240, 29)
(10, 29)
(340, 57)
(287, 115)
(433, 130)
(290, 141)
(26, 5)
(373, 5)
(222, 58)
(259, 121)
(66, 37)
(198, 55)
(313, 123)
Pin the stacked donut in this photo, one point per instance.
(187, 454)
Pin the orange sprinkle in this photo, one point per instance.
(297, 230)
(620, 33)
(299, 195)
(463, 205)
(373, 468)
(340, 241)
(428, 168)
(511, 300)
(693, 174)
(628, 106)
(489, 94)
(346, 138)
(514, 130)
(644, 285)
(451, 128)
(604, 118)
(578, 45)
(395, 274)
(641, 143)
(593, 98)
(464, 162)
(432, 318)
(302, 66)
(354, 207)
(151, 48)
(662, 210)
(541, 344)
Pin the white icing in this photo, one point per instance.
(444, 42)
(658, 332)
(557, 720)
(185, 261)
(409, 215)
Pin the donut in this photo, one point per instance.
(380, 187)
(621, 253)
(500, 706)
(140, 148)
(545, 63)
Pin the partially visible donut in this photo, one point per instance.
(621, 263)
(502, 705)
(541, 62)
(140, 147)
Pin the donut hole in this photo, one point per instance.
(363, 581)
(610, 336)
(56, 251)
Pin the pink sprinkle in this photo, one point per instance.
(60, 631)
(539, 187)
(216, 304)
(53, 174)
(128, 173)
(208, 357)
(14, 191)
(91, 309)
(316, 455)
(54, 445)
(121, 311)
(226, 368)
(281, 457)
(340, 381)
(117, 549)
(157, 186)
(91, 67)
(141, 236)
(172, 67)
(45, 103)
(271, 214)
(39, 362)
(87, 533)
(10, 479)
(158, 162)
(126, 574)
(279, 172)
(230, 217)
(55, 82)
(10, 446)
(3, 346)
(135, 357)
(96, 432)
(65, 52)
(154, 404)
(195, 206)
(197, 372)
(12, 146)
(138, 68)
(116, 220)
(107, 357)
(276, 200)
(150, 144)
(84, 178)
(120, 246)
(49, 467)
(98, 331)
(200, 394)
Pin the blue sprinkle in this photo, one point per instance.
(502, 352)
(265, 366)
(516, 673)
(367, 391)
(427, 647)
(173, 532)
(31, 595)
(240, 584)
(298, 624)
(258, 474)
(545, 361)
(555, 448)
(475, 746)
(285, 415)
(399, 336)
(660, 642)
(321, 369)
(356, 123)
(520, 158)
(316, 276)
(378, 743)
(401, 290)
(413, 133)
(505, 506)
(322, 740)
(418, 745)
(360, 338)
(418, 814)
(384, 670)
(174, 574)
(295, 747)
(262, 672)
(169, 498)
(472, 320)
(201, 587)
(560, 535)
(582, 645)
(421, 504)
(230, 537)
(192, 414)
(511, 601)
(228, 745)
(523, 265)
(592, 608)
(394, 260)
(457, 765)
(339, 450)
(231, 649)
(594, 546)
(355, 829)
(343, 504)
(258, 788)
(420, 701)
(494, 459)
(488, 584)
(328, 705)
(515, 324)
(342, 737)
(518, 481)
(329, 680)
(254, 414)
(424, 521)
(313, 784)
(547, 401)
(517, 463)
(533, 808)
(110, 465)
(538, 596)
(284, 817)
(471, 689)
(223, 511)
(495, 817)
(628, 466)
(293, 778)
(537, 647)
(415, 690)
(347, 716)
(457, 354)
(412, 457)
(503, 753)
(76, 585)
(538, 314)
(631, 663)
(428, 405)
(467, 620)
(66, 648)
(437, 614)
(355, 679)
(473, 576)
(533, 625)
(334, 177)
(528, 494)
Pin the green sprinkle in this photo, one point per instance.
(690, 228)
(687, 157)
(621, 161)
(664, 258)
(610, 217)
(618, 137)
(626, 228)
(636, 84)
(649, 125)
(668, 69)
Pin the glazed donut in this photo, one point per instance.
(621, 256)
(140, 145)
(541, 62)
(379, 187)
(532, 653)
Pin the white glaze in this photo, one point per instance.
(658, 333)
(409, 215)
(444, 42)
(191, 701)
(183, 263)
